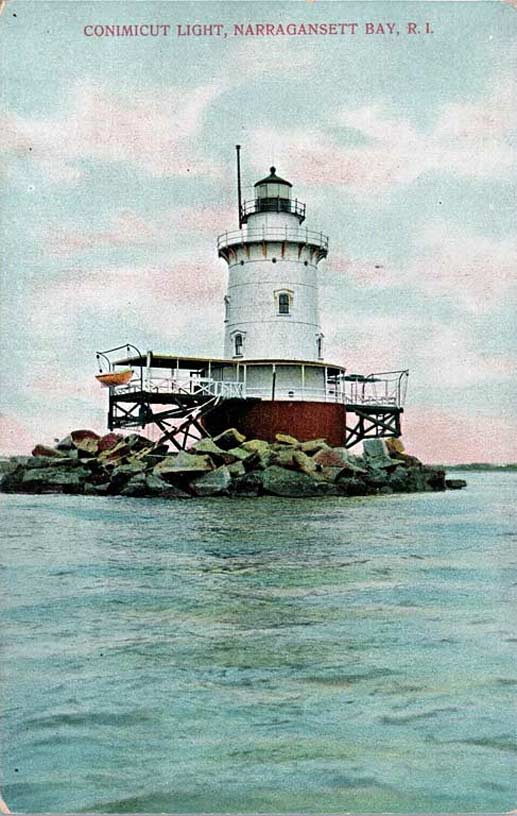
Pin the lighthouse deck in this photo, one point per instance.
(160, 378)
(180, 394)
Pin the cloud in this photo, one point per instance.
(450, 265)
(454, 437)
(127, 228)
(469, 140)
(152, 130)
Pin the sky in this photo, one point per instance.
(118, 175)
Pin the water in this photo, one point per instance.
(266, 655)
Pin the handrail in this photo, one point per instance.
(263, 233)
(273, 204)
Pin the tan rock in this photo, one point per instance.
(286, 439)
(184, 463)
(313, 446)
(395, 445)
(303, 462)
(260, 446)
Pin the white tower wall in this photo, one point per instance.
(271, 304)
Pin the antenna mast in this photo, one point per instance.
(239, 192)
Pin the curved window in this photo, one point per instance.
(226, 307)
(319, 346)
(238, 342)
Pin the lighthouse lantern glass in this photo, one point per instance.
(273, 190)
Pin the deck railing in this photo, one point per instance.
(297, 235)
(386, 389)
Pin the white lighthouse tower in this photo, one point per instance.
(271, 305)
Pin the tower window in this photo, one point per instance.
(238, 341)
(319, 346)
(284, 300)
(283, 303)
(226, 307)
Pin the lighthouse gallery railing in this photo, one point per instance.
(279, 234)
(380, 389)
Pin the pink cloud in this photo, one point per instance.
(130, 229)
(16, 437)
(453, 437)
(154, 130)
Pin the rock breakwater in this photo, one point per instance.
(227, 465)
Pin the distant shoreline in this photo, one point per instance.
(481, 466)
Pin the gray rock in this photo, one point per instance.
(376, 453)
(455, 484)
(7, 466)
(281, 482)
(53, 479)
(248, 486)
(101, 489)
(236, 469)
(215, 483)
(207, 446)
(65, 444)
(121, 475)
(259, 446)
(230, 438)
(151, 486)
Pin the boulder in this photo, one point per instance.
(259, 446)
(236, 469)
(7, 466)
(284, 458)
(54, 480)
(207, 446)
(230, 438)
(376, 453)
(455, 484)
(184, 462)
(65, 444)
(215, 483)
(108, 441)
(121, 475)
(286, 439)
(354, 487)
(333, 474)
(394, 446)
(217, 454)
(313, 446)
(303, 462)
(398, 479)
(242, 455)
(111, 457)
(248, 486)
(279, 481)
(101, 489)
(137, 443)
(85, 441)
(45, 450)
(331, 457)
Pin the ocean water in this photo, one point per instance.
(261, 654)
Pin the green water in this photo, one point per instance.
(260, 654)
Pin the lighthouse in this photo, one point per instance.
(271, 304)
(274, 376)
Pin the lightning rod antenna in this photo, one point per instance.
(239, 191)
